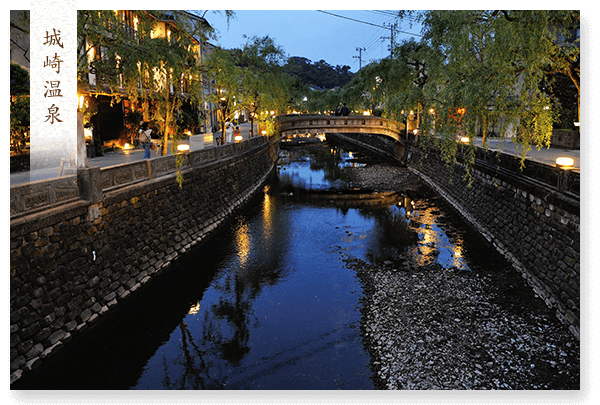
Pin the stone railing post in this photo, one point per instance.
(89, 181)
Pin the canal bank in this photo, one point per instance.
(73, 262)
(436, 324)
(298, 294)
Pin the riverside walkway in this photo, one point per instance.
(117, 157)
(544, 155)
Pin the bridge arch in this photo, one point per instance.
(373, 134)
(309, 124)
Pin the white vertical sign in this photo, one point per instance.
(53, 45)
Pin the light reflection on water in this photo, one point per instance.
(282, 311)
(266, 303)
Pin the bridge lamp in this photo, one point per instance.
(464, 139)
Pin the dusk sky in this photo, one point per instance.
(333, 36)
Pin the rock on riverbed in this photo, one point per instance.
(433, 328)
(382, 177)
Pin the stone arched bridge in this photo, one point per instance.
(310, 124)
(374, 134)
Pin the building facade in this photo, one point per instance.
(112, 109)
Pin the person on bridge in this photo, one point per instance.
(345, 110)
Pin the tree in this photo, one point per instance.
(19, 108)
(487, 71)
(380, 87)
(320, 74)
(249, 78)
(150, 57)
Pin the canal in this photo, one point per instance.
(270, 301)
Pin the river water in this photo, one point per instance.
(268, 302)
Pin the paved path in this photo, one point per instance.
(112, 158)
(544, 155)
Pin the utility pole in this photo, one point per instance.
(391, 38)
(359, 57)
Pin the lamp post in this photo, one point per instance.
(184, 149)
(564, 166)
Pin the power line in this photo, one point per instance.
(351, 19)
(366, 22)
(373, 39)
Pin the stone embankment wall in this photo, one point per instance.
(383, 146)
(73, 262)
(535, 224)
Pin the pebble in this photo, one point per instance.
(439, 349)
(442, 338)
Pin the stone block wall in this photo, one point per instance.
(532, 225)
(72, 263)
(562, 138)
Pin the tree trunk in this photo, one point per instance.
(484, 131)
(575, 79)
(165, 140)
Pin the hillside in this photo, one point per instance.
(318, 74)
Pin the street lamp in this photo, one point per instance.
(564, 166)
(564, 162)
(184, 149)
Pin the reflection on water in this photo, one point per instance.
(282, 311)
(434, 244)
(315, 170)
(268, 302)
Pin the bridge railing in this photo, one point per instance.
(40, 195)
(298, 123)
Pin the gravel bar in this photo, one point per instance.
(433, 328)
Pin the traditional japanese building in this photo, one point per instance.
(111, 109)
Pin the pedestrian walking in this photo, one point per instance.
(145, 139)
(228, 132)
(237, 134)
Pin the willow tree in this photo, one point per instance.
(152, 58)
(488, 72)
(249, 78)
